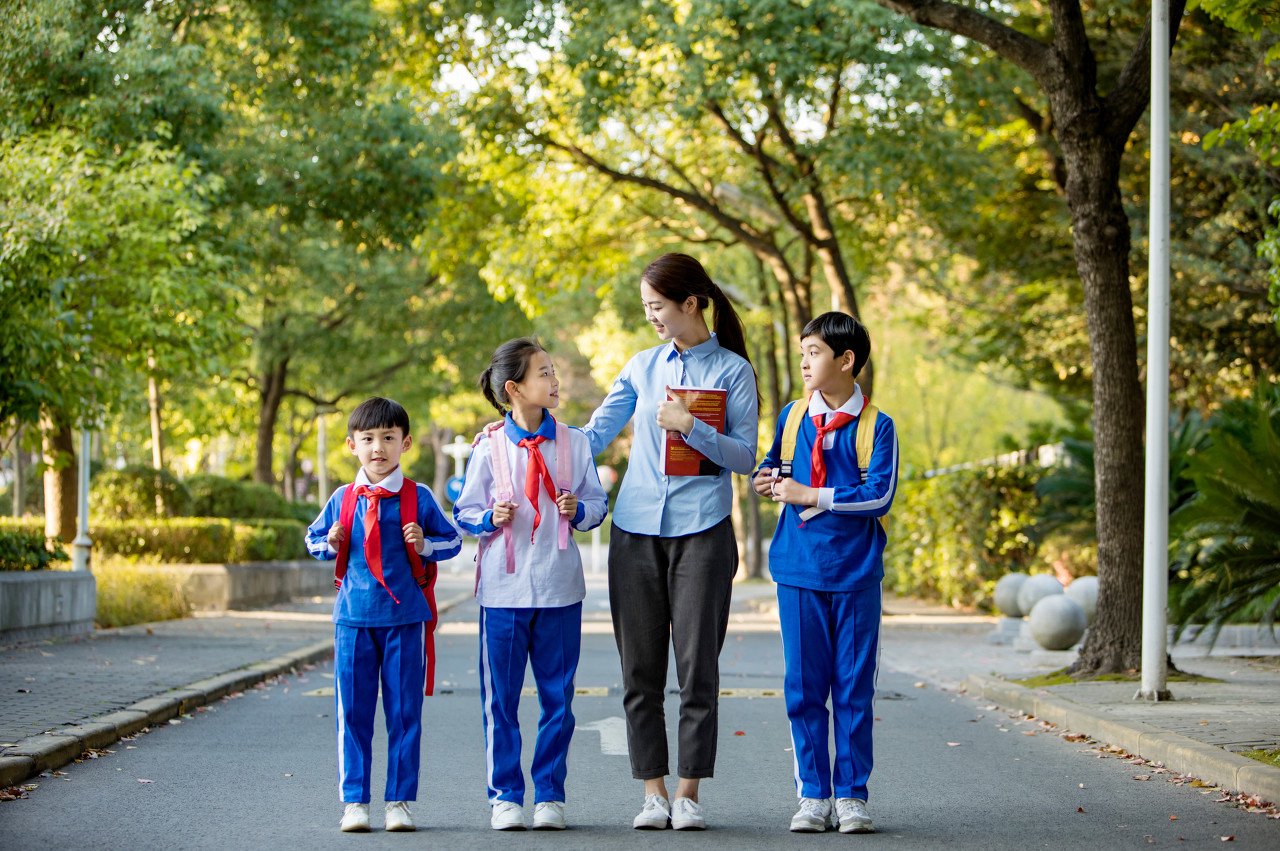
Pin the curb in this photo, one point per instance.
(1177, 752)
(47, 751)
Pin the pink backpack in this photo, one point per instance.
(504, 490)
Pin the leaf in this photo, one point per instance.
(144, 780)
(1079, 809)
(739, 732)
(953, 744)
(1142, 777)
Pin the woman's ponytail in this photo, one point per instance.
(727, 324)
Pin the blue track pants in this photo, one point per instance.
(365, 658)
(830, 642)
(549, 640)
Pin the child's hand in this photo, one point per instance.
(674, 416)
(763, 481)
(503, 512)
(336, 535)
(793, 493)
(568, 504)
(413, 536)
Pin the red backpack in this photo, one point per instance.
(424, 573)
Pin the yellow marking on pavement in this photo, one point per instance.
(751, 692)
(325, 691)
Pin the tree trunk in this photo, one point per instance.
(754, 561)
(270, 397)
(157, 431)
(59, 479)
(19, 474)
(1101, 234)
(443, 463)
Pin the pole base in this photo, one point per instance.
(1158, 696)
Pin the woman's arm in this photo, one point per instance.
(614, 412)
(593, 503)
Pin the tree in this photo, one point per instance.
(1089, 120)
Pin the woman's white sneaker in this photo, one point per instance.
(397, 817)
(507, 815)
(853, 815)
(355, 818)
(686, 814)
(548, 815)
(814, 816)
(656, 814)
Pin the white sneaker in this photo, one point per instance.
(507, 815)
(355, 818)
(398, 817)
(854, 817)
(656, 814)
(686, 814)
(814, 816)
(548, 815)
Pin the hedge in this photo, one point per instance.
(952, 536)
(138, 492)
(218, 496)
(23, 546)
(200, 540)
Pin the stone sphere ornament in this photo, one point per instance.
(1035, 588)
(1084, 590)
(1006, 594)
(1057, 622)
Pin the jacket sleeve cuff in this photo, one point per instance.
(487, 522)
(580, 514)
(826, 498)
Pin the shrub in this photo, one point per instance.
(23, 546)
(951, 537)
(137, 491)
(128, 595)
(201, 540)
(218, 496)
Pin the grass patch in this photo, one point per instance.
(127, 595)
(1271, 757)
(1060, 677)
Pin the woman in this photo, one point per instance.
(672, 552)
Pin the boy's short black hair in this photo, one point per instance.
(842, 333)
(377, 412)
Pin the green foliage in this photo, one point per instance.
(951, 537)
(218, 496)
(1228, 565)
(128, 595)
(200, 540)
(138, 492)
(23, 546)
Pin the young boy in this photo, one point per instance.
(382, 612)
(827, 560)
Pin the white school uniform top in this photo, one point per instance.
(545, 576)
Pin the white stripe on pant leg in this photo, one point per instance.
(795, 761)
(486, 678)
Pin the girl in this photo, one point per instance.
(672, 552)
(529, 478)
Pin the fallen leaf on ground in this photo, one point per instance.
(739, 732)
(920, 685)
(953, 744)
(1079, 809)
(1230, 838)
(1173, 818)
(144, 780)
(1142, 777)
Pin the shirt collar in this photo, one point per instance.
(393, 482)
(853, 405)
(702, 350)
(516, 434)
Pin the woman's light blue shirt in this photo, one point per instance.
(651, 503)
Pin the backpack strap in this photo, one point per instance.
(564, 475)
(346, 519)
(424, 573)
(795, 418)
(502, 490)
(866, 440)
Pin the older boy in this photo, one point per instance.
(384, 604)
(827, 560)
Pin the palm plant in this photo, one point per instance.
(1227, 539)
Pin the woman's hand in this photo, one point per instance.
(503, 512)
(793, 493)
(674, 416)
(568, 504)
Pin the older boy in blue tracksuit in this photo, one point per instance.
(827, 560)
(381, 613)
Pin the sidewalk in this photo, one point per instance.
(61, 698)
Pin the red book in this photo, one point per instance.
(707, 404)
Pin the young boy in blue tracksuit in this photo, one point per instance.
(384, 606)
(827, 560)
(529, 480)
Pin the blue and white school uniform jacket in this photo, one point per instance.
(362, 602)
(545, 575)
(841, 549)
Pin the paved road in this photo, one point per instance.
(259, 770)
